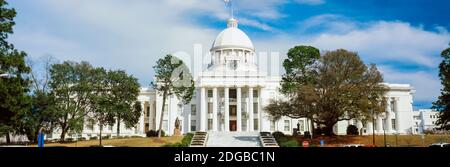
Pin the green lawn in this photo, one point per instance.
(392, 140)
(128, 142)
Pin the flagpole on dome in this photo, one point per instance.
(230, 5)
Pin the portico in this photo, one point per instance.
(230, 108)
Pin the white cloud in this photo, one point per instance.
(113, 34)
(329, 23)
(389, 41)
(390, 45)
(257, 24)
(311, 2)
(268, 9)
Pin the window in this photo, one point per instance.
(166, 109)
(287, 125)
(392, 105)
(210, 124)
(233, 93)
(272, 125)
(244, 124)
(222, 93)
(210, 93)
(431, 116)
(90, 125)
(165, 125)
(147, 126)
(432, 122)
(255, 124)
(210, 108)
(179, 108)
(255, 93)
(193, 125)
(255, 108)
(384, 124)
(416, 117)
(393, 124)
(148, 111)
(193, 109)
(243, 107)
(302, 125)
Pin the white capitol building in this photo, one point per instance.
(231, 93)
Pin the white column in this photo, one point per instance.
(397, 116)
(359, 125)
(215, 108)
(260, 112)
(203, 111)
(187, 117)
(150, 121)
(379, 124)
(369, 128)
(227, 109)
(389, 118)
(141, 120)
(238, 109)
(251, 127)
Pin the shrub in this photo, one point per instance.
(187, 140)
(106, 137)
(278, 134)
(282, 139)
(153, 133)
(290, 143)
(69, 140)
(136, 136)
(352, 130)
(82, 139)
(429, 132)
(93, 138)
(307, 134)
(184, 142)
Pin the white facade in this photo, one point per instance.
(398, 118)
(424, 119)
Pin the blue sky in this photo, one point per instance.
(403, 37)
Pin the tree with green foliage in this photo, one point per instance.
(100, 104)
(123, 93)
(41, 116)
(298, 66)
(172, 77)
(344, 88)
(339, 86)
(71, 86)
(14, 81)
(443, 102)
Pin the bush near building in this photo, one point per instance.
(184, 142)
(352, 130)
(154, 133)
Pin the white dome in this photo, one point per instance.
(232, 37)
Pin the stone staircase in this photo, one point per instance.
(199, 139)
(233, 139)
(267, 140)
